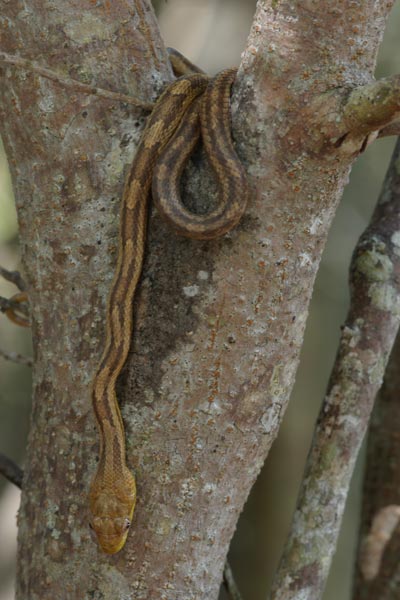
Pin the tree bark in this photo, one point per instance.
(367, 337)
(382, 473)
(219, 325)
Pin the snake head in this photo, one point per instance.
(112, 512)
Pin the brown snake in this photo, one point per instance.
(192, 104)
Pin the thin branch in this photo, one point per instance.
(365, 344)
(230, 583)
(14, 277)
(68, 82)
(11, 470)
(17, 358)
(383, 526)
(373, 106)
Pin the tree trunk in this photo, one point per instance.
(218, 325)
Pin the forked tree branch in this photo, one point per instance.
(364, 348)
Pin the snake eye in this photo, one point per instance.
(127, 524)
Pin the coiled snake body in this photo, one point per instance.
(192, 104)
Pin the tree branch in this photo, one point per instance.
(68, 82)
(17, 358)
(14, 277)
(11, 470)
(373, 106)
(381, 482)
(365, 344)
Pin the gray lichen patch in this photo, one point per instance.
(52, 514)
(269, 420)
(377, 368)
(352, 370)
(114, 164)
(277, 388)
(203, 275)
(385, 297)
(352, 335)
(191, 290)
(90, 27)
(395, 239)
(47, 99)
(113, 580)
(374, 264)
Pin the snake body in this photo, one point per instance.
(171, 132)
(210, 115)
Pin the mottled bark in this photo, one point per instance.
(382, 476)
(365, 344)
(219, 325)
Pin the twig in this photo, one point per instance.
(383, 526)
(11, 470)
(15, 278)
(373, 106)
(230, 583)
(28, 65)
(365, 344)
(17, 358)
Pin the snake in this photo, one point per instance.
(193, 106)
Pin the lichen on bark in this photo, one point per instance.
(210, 373)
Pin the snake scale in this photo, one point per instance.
(192, 106)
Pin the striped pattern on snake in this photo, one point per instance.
(192, 104)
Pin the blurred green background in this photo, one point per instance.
(213, 33)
